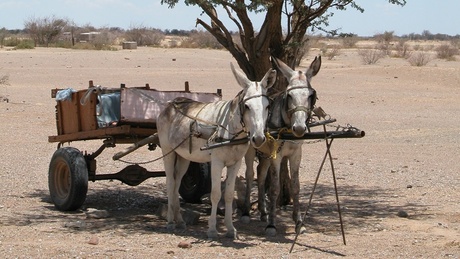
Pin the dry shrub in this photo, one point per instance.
(331, 51)
(145, 36)
(446, 51)
(419, 58)
(349, 42)
(402, 49)
(201, 39)
(371, 56)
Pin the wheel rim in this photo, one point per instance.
(62, 180)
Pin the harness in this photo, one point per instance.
(218, 125)
(275, 145)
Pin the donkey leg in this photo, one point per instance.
(274, 191)
(181, 168)
(169, 162)
(262, 170)
(294, 162)
(229, 196)
(216, 173)
(249, 160)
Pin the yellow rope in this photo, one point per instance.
(272, 145)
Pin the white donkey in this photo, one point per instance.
(185, 126)
(290, 111)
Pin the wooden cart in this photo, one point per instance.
(116, 116)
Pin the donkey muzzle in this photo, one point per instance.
(258, 140)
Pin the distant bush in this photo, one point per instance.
(402, 49)
(144, 36)
(25, 44)
(384, 41)
(19, 43)
(45, 31)
(447, 51)
(331, 51)
(201, 39)
(62, 44)
(371, 56)
(349, 41)
(419, 58)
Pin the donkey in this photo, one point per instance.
(184, 126)
(290, 111)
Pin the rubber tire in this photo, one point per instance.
(196, 182)
(68, 179)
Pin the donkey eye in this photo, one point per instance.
(246, 107)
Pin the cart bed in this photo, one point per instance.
(125, 114)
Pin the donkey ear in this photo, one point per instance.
(314, 67)
(243, 81)
(285, 69)
(269, 79)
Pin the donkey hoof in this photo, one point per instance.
(231, 234)
(181, 226)
(245, 219)
(212, 234)
(170, 227)
(270, 231)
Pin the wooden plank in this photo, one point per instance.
(69, 116)
(125, 131)
(87, 112)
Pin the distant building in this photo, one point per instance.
(88, 36)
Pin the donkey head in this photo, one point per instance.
(254, 104)
(300, 97)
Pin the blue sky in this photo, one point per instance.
(440, 16)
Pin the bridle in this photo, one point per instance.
(290, 112)
(242, 107)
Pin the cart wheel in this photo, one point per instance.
(68, 179)
(196, 182)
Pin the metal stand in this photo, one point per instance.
(327, 154)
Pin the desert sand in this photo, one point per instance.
(398, 186)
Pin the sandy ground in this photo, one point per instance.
(406, 164)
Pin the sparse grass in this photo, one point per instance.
(419, 58)
(371, 56)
